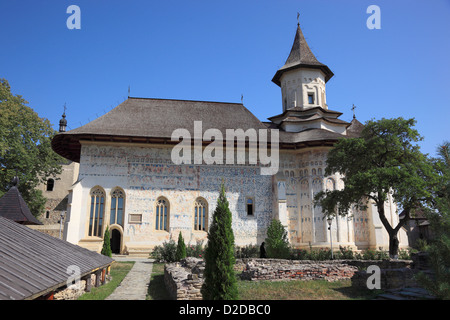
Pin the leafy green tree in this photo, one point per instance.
(106, 249)
(25, 148)
(439, 217)
(220, 280)
(181, 248)
(277, 242)
(383, 162)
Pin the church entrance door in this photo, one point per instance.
(115, 241)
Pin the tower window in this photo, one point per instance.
(311, 98)
(50, 184)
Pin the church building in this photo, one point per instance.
(129, 182)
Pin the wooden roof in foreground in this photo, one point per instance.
(33, 264)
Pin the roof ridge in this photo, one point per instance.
(186, 100)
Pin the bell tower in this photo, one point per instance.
(302, 78)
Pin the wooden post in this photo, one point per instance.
(103, 276)
(88, 283)
(97, 278)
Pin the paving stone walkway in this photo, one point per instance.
(135, 285)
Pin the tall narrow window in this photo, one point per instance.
(50, 184)
(162, 214)
(96, 213)
(200, 215)
(311, 98)
(250, 206)
(117, 207)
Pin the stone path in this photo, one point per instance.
(135, 285)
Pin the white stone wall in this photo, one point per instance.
(146, 173)
(296, 84)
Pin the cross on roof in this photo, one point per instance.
(353, 109)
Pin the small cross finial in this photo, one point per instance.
(353, 109)
(242, 98)
(128, 91)
(65, 108)
(298, 18)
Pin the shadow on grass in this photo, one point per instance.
(157, 289)
(354, 293)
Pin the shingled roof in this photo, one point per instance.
(13, 207)
(146, 120)
(301, 56)
(33, 264)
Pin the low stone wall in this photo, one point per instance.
(389, 278)
(184, 279)
(277, 269)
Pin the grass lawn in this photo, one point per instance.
(118, 271)
(275, 290)
(301, 290)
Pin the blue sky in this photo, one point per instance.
(217, 50)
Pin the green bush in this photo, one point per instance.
(196, 251)
(277, 244)
(248, 251)
(166, 252)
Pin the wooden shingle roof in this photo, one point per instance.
(301, 56)
(33, 264)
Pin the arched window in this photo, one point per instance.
(96, 212)
(200, 214)
(117, 207)
(162, 214)
(50, 184)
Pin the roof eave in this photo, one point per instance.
(324, 68)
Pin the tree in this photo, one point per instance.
(106, 250)
(439, 218)
(25, 149)
(181, 248)
(383, 162)
(220, 279)
(277, 241)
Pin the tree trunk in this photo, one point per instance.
(393, 245)
(393, 239)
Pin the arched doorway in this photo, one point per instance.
(116, 238)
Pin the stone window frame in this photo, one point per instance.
(115, 195)
(97, 207)
(201, 203)
(252, 199)
(162, 204)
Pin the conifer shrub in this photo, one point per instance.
(106, 249)
(181, 248)
(219, 276)
(277, 243)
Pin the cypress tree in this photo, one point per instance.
(220, 279)
(106, 250)
(181, 248)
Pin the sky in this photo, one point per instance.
(219, 50)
